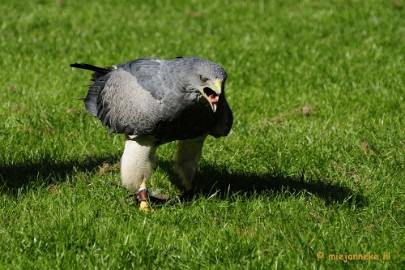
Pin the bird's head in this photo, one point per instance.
(211, 89)
(208, 79)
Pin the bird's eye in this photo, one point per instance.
(203, 79)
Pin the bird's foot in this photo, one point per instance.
(143, 197)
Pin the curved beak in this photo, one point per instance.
(211, 92)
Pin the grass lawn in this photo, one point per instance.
(312, 175)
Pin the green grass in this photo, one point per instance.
(315, 161)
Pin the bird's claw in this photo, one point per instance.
(143, 197)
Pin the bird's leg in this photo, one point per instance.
(187, 157)
(136, 168)
(143, 197)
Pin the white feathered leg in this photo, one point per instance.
(187, 157)
(136, 167)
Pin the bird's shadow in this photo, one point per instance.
(15, 177)
(209, 180)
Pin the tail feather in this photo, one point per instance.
(101, 70)
(100, 76)
(98, 71)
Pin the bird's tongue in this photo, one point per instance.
(213, 98)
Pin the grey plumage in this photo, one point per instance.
(155, 101)
(158, 98)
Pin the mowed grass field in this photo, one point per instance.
(312, 175)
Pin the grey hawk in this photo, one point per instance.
(155, 101)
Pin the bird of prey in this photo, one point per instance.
(155, 101)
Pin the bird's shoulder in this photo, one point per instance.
(149, 74)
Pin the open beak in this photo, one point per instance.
(211, 93)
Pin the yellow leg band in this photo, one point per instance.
(144, 206)
(143, 185)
